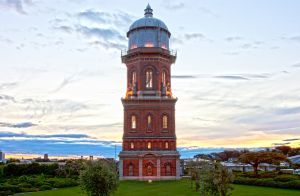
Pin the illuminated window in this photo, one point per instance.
(149, 79)
(163, 78)
(133, 122)
(133, 78)
(149, 121)
(133, 46)
(131, 145)
(165, 121)
(164, 46)
(148, 45)
(167, 145)
(149, 145)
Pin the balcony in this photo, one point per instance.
(148, 50)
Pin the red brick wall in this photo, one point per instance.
(135, 163)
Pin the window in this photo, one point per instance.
(149, 121)
(133, 122)
(130, 169)
(131, 145)
(149, 79)
(167, 145)
(133, 79)
(165, 121)
(149, 145)
(163, 78)
(168, 169)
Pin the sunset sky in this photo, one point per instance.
(237, 74)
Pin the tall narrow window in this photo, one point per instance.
(149, 121)
(133, 122)
(149, 145)
(130, 169)
(165, 121)
(167, 145)
(163, 78)
(133, 79)
(168, 170)
(149, 79)
(131, 145)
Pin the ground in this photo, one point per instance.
(166, 188)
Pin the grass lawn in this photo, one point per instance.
(173, 188)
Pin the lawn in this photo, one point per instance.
(166, 188)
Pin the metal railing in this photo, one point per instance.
(148, 50)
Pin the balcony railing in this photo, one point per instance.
(148, 50)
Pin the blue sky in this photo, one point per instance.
(61, 76)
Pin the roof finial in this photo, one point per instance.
(148, 11)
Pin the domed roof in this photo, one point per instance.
(148, 21)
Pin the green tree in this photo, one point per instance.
(256, 158)
(99, 178)
(211, 178)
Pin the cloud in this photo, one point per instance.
(65, 82)
(208, 11)
(291, 38)
(64, 28)
(296, 65)
(290, 140)
(108, 38)
(16, 5)
(7, 98)
(280, 144)
(17, 125)
(232, 77)
(183, 76)
(288, 110)
(8, 85)
(116, 19)
(190, 36)
(233, 38)
(295, 38)
(24, 135)
(173, 5)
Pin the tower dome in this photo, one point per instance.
(148, 32)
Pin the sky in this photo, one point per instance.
(61, 77)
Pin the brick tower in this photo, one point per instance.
(149, 139)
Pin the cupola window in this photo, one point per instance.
(149, 79)
(133, 122)
(165, 121)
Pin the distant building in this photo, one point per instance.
(2, 156)
(295, 159)
(46, 157)
(91, 158)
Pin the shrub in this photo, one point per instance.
(45, 187)
(286, 178)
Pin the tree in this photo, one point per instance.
(284, 149)
(256, 158)
(211, 178)
(99, 178)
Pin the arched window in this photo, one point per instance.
(133, 122)
(149, 121)
(131, 145)
(149, 79)
(163, 78)
(133, 78)
(130, 169)
(166, 145)
(165, 121)
(149, 145)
